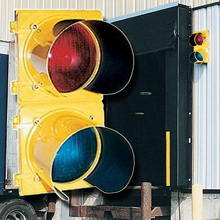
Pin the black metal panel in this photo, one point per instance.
(158, 98)
(138, 113)
(3, 116)
(178, 102)
(150, 32)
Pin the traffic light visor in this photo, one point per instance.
(117, 58)
(116, 165)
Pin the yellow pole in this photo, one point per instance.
(197, 202)
(168, 158)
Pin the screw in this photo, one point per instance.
(37, 178)
(34, 26)
(35, 87)
(37, 121)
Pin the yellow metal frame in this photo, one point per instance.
(38, 99)
(204, 48)
(168, 158)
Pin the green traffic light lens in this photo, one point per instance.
(199, 56)
(195, 57)
(75, 156)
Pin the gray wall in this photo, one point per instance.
(181, 206)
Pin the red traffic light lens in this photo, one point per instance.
(72, 58)
(199, 39)
(196, 39)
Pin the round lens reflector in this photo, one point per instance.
(75, 156)
(199, 56)
(72, 58)
(199, 39)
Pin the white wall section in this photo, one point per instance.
(206, 103)
(109, 8)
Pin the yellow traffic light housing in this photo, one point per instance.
(66, 61)
(199, 40)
